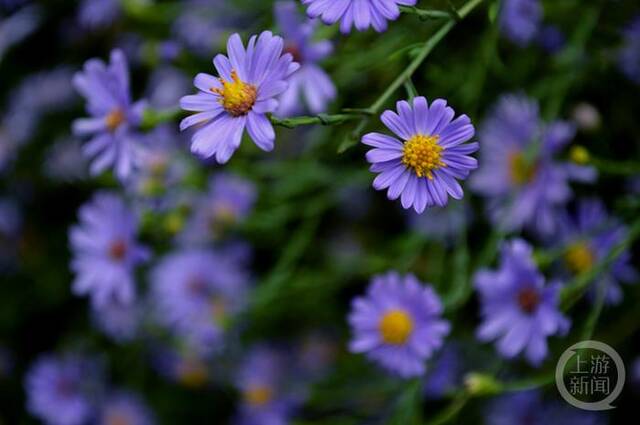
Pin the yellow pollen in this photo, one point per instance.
(423, 154)
(114, 119)
(236, 96)
(579, 155)
(395, 327)
(579, 258)
(258, 395)
(521, 171)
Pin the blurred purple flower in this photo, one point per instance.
(63, 390)
(196, 292)
(250, 82)
(166, 86)
(95, 14)
(125, 408)
(520, 20)
(587, 238)
(359, 13)
(18, 26)
(551, 39)
(105, 250)
(442, 224)
(64, 161)
(120, 321)
(398, 324)
(517, 307)
(422, 168)
(524, 184)
(446, 373)
(114, 117)
(629, 54)
(310, 82)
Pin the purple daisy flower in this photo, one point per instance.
(124, 408)
(520, 20)
(114, 117)
(196, 292)
(629, 54)
(63, 390)
(422, 168)
(359, 13)
(250, 81)
(587, 238)
(105, 250)
(517, 307)
(310, 82)
(398, 323)
(524, 184)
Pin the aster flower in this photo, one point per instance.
(525, 185)
(398, 324)
(114, 118)
(18, 26)
(105, 250)
(359, 13)
(63, 390)
(250, 81)
(98, 13)
(196, 292)
(517, 307)
(587, 238)
(422, 169)
(520, 20)
(310, 81)
(629, 54)
(124, 408)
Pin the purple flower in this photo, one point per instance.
(629, 54)
(587, 238)
(124, 408)
(196, 292)
(65, 162)
(228, 202)
(359, 13)
(398, 323)
(524, 184)
(520, 20)
(62, 390)
(114, 142)
(98, 13)
(517, 308)
(182, 365)
(446, 373)
(310, 81)
(551, 39)
(18, 26)
(105, 250)
(120, 321)
(250, 82)
(422, 168)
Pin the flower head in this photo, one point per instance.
(520, 20)
(62, 390)
(105, 250)
(359, 13)
(249, 83)
(422, 169)
(398, 323)
(114, 117)
(124, 408)
(517, 307)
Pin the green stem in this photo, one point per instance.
(425, 14)
(622, 168)
(322, 119)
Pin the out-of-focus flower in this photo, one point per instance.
(63, 390)
(446, 374)
(114, 142)
(64, 161)
(520, 20)
(398, 324)
(587, 238)
(586, 116)
(629, 54)
(261, 382)
(95, 14)
(443, 224)
(196, 292)
(166, 86)
(125, 408)
(250, 81)
(362, 14)
(551, 39)
(228, 202)
(422, 169)
(316, 353)
(182, 365)
(310, 82)
(105, 250)
(17, 27)
(517, 307)
(524, 184)
(120, 321)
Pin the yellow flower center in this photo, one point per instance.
(396, 327)
(579, 258)
(258, 395)
(423, 154)
(579, 155)
(236, 96)
(114, 119)
(522, 171)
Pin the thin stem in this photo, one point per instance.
(322, 119)
(425, 14)
(623, 168)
